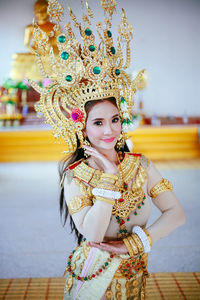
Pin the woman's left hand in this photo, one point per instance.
(116, 247)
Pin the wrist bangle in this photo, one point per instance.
(133, 245)
(138, 242)
(106, 193)
(112, 202)
(149, 237)
(128, 246)
(143, 237)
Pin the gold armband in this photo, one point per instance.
(77, 203)
(162, 186)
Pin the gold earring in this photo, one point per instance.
(86, 142)
(120, 142)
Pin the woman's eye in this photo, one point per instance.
(98, 123)
(115, 120)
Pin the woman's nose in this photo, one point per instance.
(107, 129)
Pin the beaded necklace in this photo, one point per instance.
(88, 277)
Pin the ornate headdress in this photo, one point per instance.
(81, 73)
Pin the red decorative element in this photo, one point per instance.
(100, 270)
(70, 256)
(122, 222)
(111, 255)
(93, 275)
(121, 200)
(134, 154)
(127, 265)
(77, 115)
(71, 167)
(69, 269)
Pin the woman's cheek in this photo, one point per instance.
(95, 132)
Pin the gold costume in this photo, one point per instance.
(83, 72)
(120, 276)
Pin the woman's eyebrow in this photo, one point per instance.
(116, 115)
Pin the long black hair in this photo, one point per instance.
(77, 155)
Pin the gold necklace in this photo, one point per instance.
(129, 200)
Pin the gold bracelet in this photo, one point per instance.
(149, 237)
(112, 202)
(133, 245)
(162, 186)
(138, 242)
(128, 246)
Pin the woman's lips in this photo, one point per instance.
(108, 140)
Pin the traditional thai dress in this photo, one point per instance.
(96, 274)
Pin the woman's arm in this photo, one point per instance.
(91, 221)
(172, 212)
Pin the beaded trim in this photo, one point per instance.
(88, 277)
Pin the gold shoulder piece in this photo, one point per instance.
(162, 186)
(77, 203)
(83, 172)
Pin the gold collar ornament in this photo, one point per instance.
(82, 72)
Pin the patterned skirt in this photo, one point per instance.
(92, 275)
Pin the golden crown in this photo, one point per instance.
(81, 73)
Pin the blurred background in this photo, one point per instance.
(166, 115)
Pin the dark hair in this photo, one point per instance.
(77, 155)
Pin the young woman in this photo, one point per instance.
(88, 104)
(107, 196)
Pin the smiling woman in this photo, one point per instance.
(105, 188)
(103, 129)
(106, 194)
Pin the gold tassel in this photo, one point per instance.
(68, 285)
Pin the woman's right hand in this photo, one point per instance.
(101, 160)
(115, 247)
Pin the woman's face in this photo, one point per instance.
(103, 126)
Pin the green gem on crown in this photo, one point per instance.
(128, 121)
(112, 49)
(64, 55)
(91, 48)
(61, 39)
(124, 121)
(117, 72)
(123, 100)
(88, 31)
(96, 70)
(109, 33)
(68, 78)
